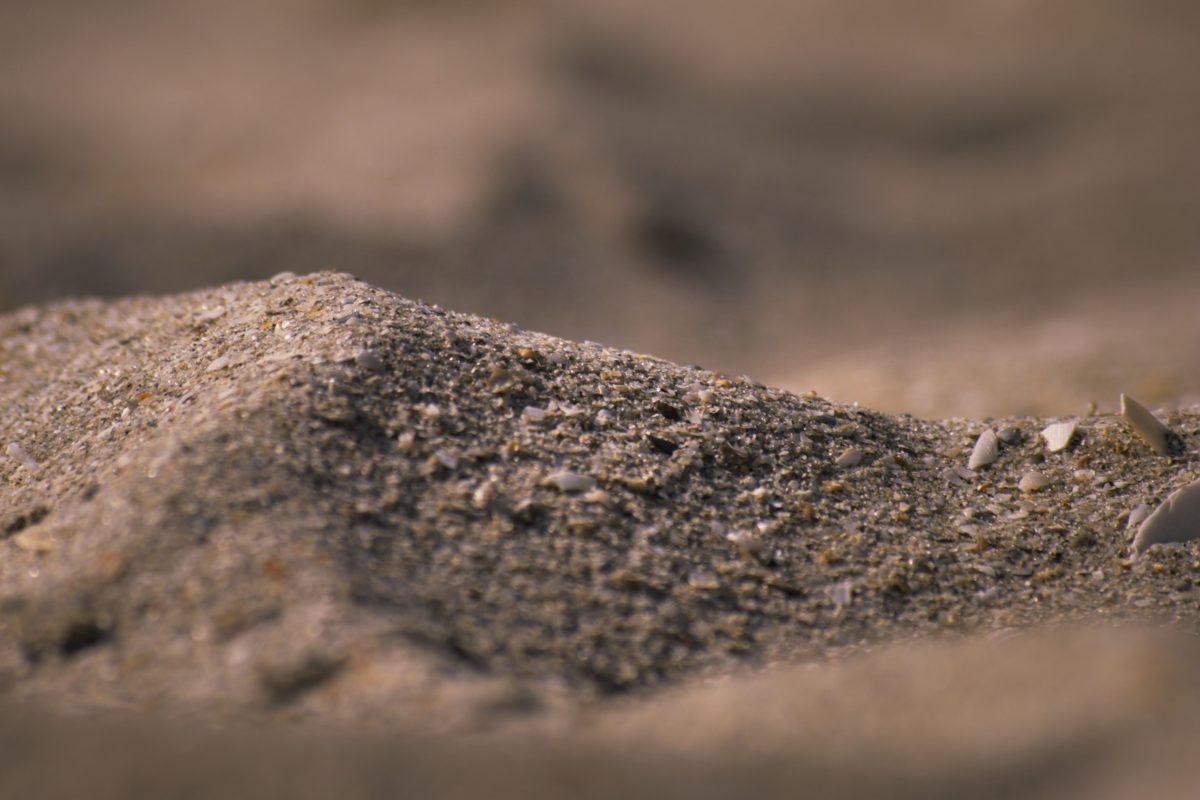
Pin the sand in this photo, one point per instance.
(944, 208)
(309, 538)
(342, 518)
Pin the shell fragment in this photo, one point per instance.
(850, 457)
(1032, 481)
(17, 453)
(1176, 520)
(570, 482)
(1147, 425)
(986, 450)
(1059, 435)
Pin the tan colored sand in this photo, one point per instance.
(314, 503)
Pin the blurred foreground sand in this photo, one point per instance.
(1067, 715)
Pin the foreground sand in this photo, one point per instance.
(382, 542)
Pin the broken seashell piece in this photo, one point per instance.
(1033, 481)
(1176, 520)
(1148, 426)
(986, 450)
(850, 457)
(1059, 435)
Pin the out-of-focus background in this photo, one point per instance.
(945, 207)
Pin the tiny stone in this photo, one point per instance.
(533, 413)
(17, 453)
(1010, 435)
(34, 540)
(748, 544)
(370, 361)
(841, 594)
(527, 510)
(218, 363)
(1083, 537)
(571, 482)
(482, 495)
(953, 478)
(596, 496)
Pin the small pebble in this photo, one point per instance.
(571, 482)
(35, 540)
(986, 450)
(218, 363)
(748, 544)
(1059, 435)
(17, 453)
(533, 413)
(370, 361)
(1010, 435)
(841, 594)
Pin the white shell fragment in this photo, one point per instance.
(17, 453)
(986, 450)
(850, 457)
(218, 363)
(1032, 481)
(1059, 435)
(841, 594)
(1147, 425)
(1137, 516)
(571, 482)
(1176, 520)
(533, 413)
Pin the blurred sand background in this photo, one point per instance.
(938, 207)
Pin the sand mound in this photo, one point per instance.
(313, 498)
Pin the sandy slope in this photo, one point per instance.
(313, 502)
